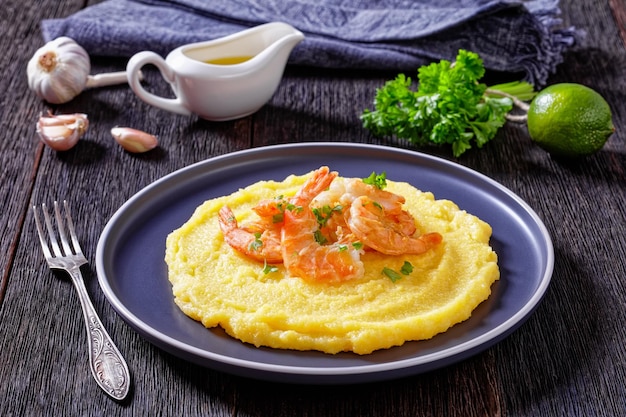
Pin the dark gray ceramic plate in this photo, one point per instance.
(133, 274)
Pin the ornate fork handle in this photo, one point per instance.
(105, 361)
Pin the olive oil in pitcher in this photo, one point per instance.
(229, 60)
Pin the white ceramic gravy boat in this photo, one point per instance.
(221, 79)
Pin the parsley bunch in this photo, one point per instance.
(450, 106)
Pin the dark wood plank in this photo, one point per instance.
(18, 114)
(566, 360)
(619, 13)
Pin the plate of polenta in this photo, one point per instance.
(191, 283)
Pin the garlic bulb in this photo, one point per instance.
(61, 132)
(59, 71)
(134, 140)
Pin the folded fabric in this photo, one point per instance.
(400, 35)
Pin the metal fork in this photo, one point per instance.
(107, 365)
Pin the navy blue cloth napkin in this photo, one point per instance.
(511, 36)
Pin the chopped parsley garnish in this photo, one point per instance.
(407, 268)
(256, 243)
(282, 206)
(295, 209)
(267, 268)
(377, 180)
(319, 237)
(324, 213)
(394, 275)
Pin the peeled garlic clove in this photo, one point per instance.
(134, 140)
(62, 132)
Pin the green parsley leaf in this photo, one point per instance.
(282, 205)
(391, 274)
(394, 276)
(319, 237)
(267, 268)
(357, 245)
(377, 180)
(324, 213)
(406, 268)
(256, 243)
(295, 209)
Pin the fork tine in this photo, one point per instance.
(66, 245)
(70, 225)
(40, 232)
(53, 239)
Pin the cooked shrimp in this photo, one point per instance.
(303, 255)
(342, 193)
(259, 241)
(372, 226)
(271, 211)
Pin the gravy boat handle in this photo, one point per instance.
(133, 73)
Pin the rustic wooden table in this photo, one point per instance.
(569, 358)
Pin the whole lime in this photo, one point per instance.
(569, 120)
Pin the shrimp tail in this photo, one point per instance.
(431, 239)
(258, 244)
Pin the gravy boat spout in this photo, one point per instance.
(220, 79)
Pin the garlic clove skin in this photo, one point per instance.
(58, 71)
(62, 132)
(134, 140)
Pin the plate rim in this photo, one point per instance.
(460, 351)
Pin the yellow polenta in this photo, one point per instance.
(217, 286)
